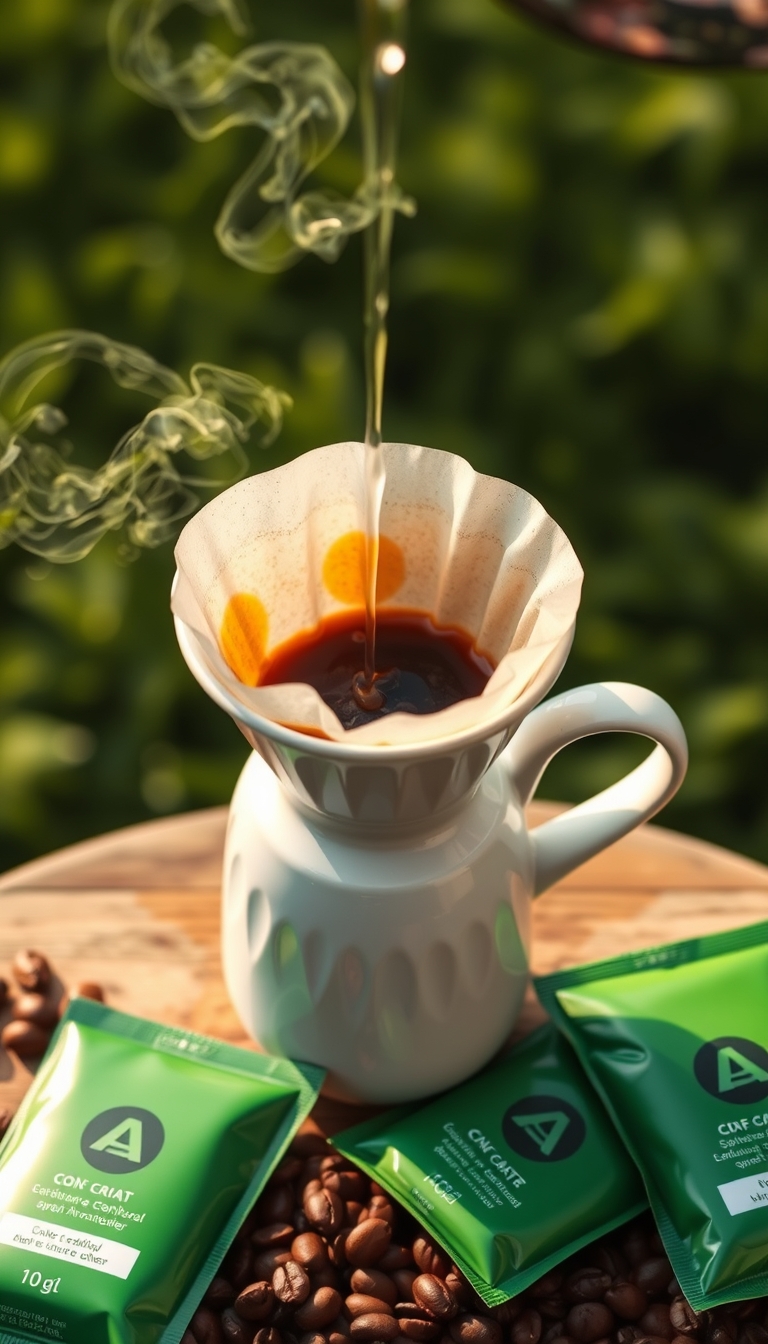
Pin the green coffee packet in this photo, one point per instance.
(511, 1172)
(676, 1041)
(132, 1162)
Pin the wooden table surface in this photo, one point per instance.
(138, 910)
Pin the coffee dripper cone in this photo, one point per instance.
(377, 881)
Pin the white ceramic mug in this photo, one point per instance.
(376, 900)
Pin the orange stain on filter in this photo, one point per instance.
(344, 569)
(244, 636)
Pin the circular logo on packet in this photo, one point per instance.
(123, 1139)
(543, 1128)
(733, 1069)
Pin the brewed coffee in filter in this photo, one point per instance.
(280, 552)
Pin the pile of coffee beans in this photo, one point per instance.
(326, 1257)
(36, 998)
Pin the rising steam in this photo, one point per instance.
(292, 92)
(59, 510)
(298, 98)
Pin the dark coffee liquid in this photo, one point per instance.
(421, 667)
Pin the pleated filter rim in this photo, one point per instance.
(474, 551)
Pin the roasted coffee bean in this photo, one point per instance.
(586, 1285)
(651, 1339)
(554, 1308)
(548, 1285)
(25, 1039)
(310, 1251)
(310, 1187)
(6, 1116)
(381, 1207)
(87, 989)
(506, 1313)
(333, 1162)
(589, 1321)
(396, 1257)
(256, 1301)
(312, 1337)
(626, 1300)
(327, 1277)
(220, 1293)
(289, 1170)
(338, 1330)
(722, 1328)
(434, 1295)
(3, 990)
(627, 1334)
(403, 1280)
(234, 1329)
(31, 970)
(311, 1169)
(655, 1321)
(752, 1333)
(324, 1210)
(611, 1260)
(376, 1284)
(205, 1326)
(472, 1329)
(555, 1332)
(267, 1335)
(376, 1326)
(635, 1245)
(418, 1329)
(265, 1264)
(430, 1258)
(239, 1268)
(276, 1205)
(347, 1185)
(652, 1275)
(321, 1307)
(367, 1242)
(685, 1320)
(362, 1304)
(337, 1249)
(274, 1234)
(355, 1212)
(188, 1338)
(413, 1310)
(455, 1283)
(527, 1328)
(291, 1284)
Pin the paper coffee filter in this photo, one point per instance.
(277, 552)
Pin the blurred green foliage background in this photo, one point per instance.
(581, 305)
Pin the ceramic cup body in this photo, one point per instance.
(376, 900)
(397, 959)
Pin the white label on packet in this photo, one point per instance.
(750, 1192)
(38, 1236)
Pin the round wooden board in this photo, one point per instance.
(138, 910)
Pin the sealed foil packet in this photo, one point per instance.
(512, 1171)
(133, 1160)
(675, 1039)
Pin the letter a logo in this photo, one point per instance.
(732, 1069)
(122, 1139)
(735, 1070)
(543, 1128)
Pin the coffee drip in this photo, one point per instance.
(383, 33)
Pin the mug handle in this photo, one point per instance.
(604, 707)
